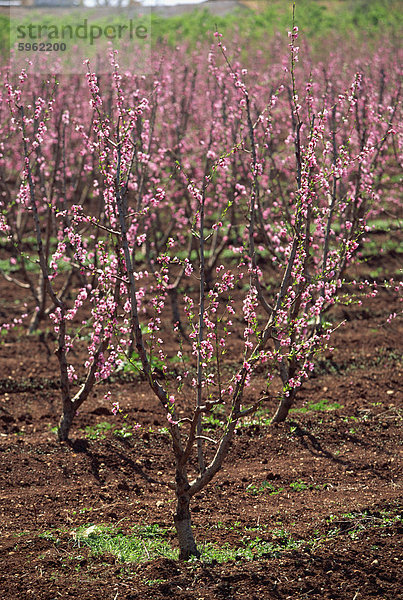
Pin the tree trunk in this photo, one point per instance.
(187, 544)
(284, 408)
(36, 319)
(176, 319)
(41, 299)
(66, 421)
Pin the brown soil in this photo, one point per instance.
(347, 460)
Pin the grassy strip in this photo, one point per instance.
(149, 542)
(315, 19)
(365, 19)
(152, 541)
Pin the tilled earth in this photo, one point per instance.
(324, 488)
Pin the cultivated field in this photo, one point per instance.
(200, 312)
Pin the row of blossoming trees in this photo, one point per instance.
(173, 210)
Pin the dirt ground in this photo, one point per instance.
(330, 480)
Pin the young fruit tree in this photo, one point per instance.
(214, 238)
(41, 209)
(311, 239)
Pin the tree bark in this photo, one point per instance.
(176, 319)
(36, 319)
(183, 525)
(41, 302)
(284, 408)
(66, 421)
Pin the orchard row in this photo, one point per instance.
(152, 217)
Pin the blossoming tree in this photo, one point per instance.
(236, 215)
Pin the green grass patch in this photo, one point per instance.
(148, 542)
(316, 20)
(301, 486)
(31, 266)
(133, 363)
(322, 405)
(356, 523)
(142, 544)
(99, 431)
(264, 487)
(384, 224)
(372, 247)
(274, 543)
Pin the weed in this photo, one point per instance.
(372, 248)
(97, 432)
(125, 431)
(299, 486)
(265, 486)
(261, 527)
(277, 542)
(133, 363)
(82, 511)
(212, 422)
(148, 542)
(355, 524)
(143, 544)
(51, 536)
(152, 582)
(296, 486)
(230, 527)
(260, 417)
(322, 405)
